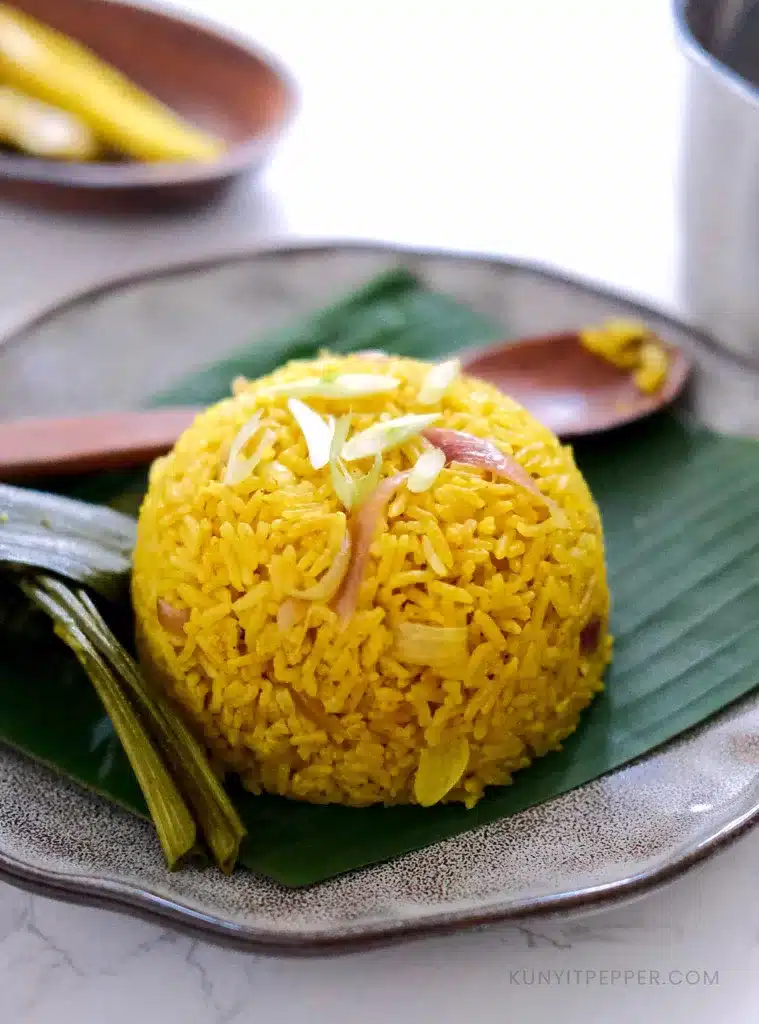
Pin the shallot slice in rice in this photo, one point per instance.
(434, 646)
(590, 636)
(288, 614)
(440, 769)
(311, 709)
(172, 619)
(458, 446)
(364, 525)
(326, 588)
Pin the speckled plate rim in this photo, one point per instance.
(150, 905)
(547, 271)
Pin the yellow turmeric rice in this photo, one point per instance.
(353, 702)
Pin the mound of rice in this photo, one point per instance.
(310, 706)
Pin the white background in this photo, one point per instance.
(542, 128)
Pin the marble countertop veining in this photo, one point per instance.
(546, 129)
(690, 952)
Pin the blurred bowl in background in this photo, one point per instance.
(719, 171)
(215, 81)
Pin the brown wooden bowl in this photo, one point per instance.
(213, 80)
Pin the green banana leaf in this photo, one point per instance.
(679, 508)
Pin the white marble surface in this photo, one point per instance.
(546, 129)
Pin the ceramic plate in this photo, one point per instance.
(620, 835)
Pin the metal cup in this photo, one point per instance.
(719, 173)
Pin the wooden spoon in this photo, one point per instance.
(572, 391)
(39, 447)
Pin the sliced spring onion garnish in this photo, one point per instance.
(342, 481)
(344, 484)
(386, 434)
(268, 438)
(317, 431)
(417, 644)
(440, 770)
(342, 385)
(238, 467)
(367, 484)
(354, 490)
(339, 437)
(438, 380)
(326, 588)
(426, 470)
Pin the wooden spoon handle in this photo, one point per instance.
(37, 447)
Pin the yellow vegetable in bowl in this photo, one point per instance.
(57, 70)
(43, 131)
(630, 345)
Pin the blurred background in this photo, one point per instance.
(547, 129)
